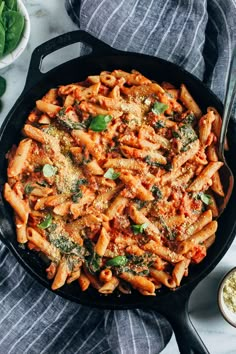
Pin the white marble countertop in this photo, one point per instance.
(49, 19)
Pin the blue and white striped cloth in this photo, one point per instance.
(196, 34)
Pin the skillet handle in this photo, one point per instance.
(40, 52)
(175, 309)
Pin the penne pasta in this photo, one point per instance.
(117, 183)
(138, 282)
(189, 101)
(199, 237)
(19, 163)
(204, 177)
(46, 247)
(20, 230)
(20, 206)
(102, 242)
(61, 275)
(84, 281)
(163, 277)
(180, 270)
(109, 286)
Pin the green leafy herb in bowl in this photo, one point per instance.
(14, 30)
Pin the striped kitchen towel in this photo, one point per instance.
(196, 34)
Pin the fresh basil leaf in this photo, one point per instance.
(159, 124)
(188, 134)
(76, 186)
(11, 4)
(118, 261)
(2, 5)
(171, 235)
(156, 192)
(76, 196)
(138, 229)
(67, 246)
(2, 38)
(82, 181)
(14, 24)
(140, 203)
(72, 260)
(49, 170)
(159, 107)
(67, 123)
(189, 119)
(62, 112)
(175, 134)
(167, 167)
(42, 183)
(94, 264)
(93, 260)
(46, 222)
(63, 243)
(99, 123)
(28, 188)
(205, 198)
(111, 174)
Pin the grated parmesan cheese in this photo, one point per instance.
(229, 292)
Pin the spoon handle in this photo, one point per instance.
(229, 101)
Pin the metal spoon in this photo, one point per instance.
(225, 171)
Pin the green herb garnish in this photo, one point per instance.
(93, 260)
(138, 229)
(49, 170)
(159, 108)
(11, 4)
(156, 192)
(42, 183)
(175, 134)
(186, 134)
(28, 188)
(99, 123)
(159, 124)
(66, 246)
(62, 112)
(118, 261)
(171, 235)
(11, 26)
(205, 198)
(140, 203)
(46, 222)
(167, 167)
(76, 187)
(76, 196)
(82, 181)
(69, 124)
(111, 174)
(189, 119)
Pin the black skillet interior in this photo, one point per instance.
(105, 58)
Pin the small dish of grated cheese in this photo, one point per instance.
(227, 297)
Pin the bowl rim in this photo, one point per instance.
(220, 297)
(12, 56)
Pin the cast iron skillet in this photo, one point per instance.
(172, 304)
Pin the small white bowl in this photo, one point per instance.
(11, 57)
(228, 315)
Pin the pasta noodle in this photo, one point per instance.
(114, 180)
